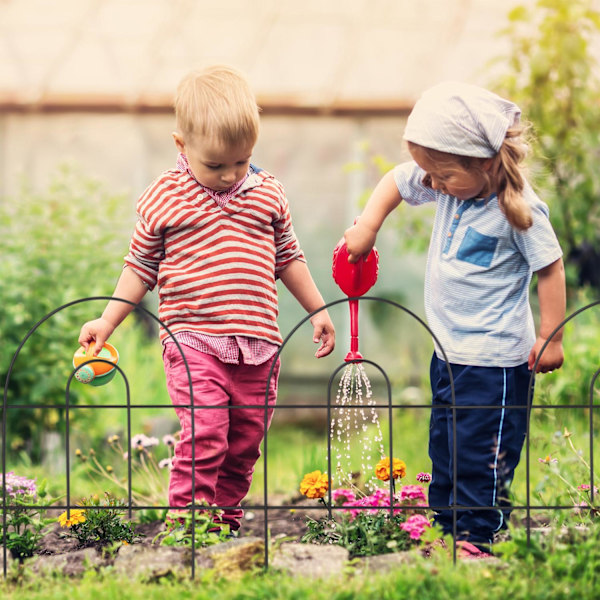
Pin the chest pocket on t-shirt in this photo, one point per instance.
(476, 248)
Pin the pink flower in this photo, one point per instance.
(415, 526)
(424, 477)
(585, 487)
(412, 494)
(17, 485)
(377, 499)
(341, 496)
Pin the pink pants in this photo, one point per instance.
(228, 438)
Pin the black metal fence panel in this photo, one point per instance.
(390, 407)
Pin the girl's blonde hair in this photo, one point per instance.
(504, 174)
(217, 102)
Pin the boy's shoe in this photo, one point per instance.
(468, 551)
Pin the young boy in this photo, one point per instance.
(214, 234)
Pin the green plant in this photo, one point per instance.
(26, 524)
(571, 384)
(363, 535)
(553, 76)
(204, 525)
(374, 523)
(567, 467)
(99, 522)
(50, 242)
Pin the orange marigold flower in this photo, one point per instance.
(77, 516)
(314, 485)
(382, 469)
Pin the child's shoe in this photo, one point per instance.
(468, 551)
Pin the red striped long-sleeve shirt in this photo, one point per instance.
(215, 267)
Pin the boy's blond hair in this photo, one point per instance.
(217, 102)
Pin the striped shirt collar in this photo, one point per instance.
(221, 198)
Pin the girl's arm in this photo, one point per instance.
(552, 298)
(360, 238)
(129, 287)
(297, 279)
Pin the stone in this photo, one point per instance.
(233, 558)
(69, 564)
(310, 560)
(153, 562)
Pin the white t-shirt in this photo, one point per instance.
(478, 273)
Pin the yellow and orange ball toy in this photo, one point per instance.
(96, 372)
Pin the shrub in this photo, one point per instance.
(56, 247)
(99, 522)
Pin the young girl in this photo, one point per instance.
(491, 232)
(214, 234)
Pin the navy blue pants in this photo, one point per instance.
(489, 443)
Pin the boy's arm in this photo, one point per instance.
(552, 299)
(360, 238)
(297, 279)
(129, 287)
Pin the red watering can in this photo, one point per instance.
(354, 279)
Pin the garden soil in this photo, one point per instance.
(289, 523)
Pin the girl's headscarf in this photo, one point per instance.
(460, 118)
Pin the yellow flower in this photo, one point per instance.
(382, 469)
(77, 516)
(314, 485)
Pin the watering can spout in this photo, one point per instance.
(353, 354)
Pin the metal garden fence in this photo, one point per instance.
(390, 407)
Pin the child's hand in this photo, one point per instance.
(359, 241)
(551, 359)
(324, 332)
(95, 331)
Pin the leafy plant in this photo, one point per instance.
(99, 522)
(370, 524)
(204, 525)
(55, 245)
(567, 467)
(26, 524)
(553, 76)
